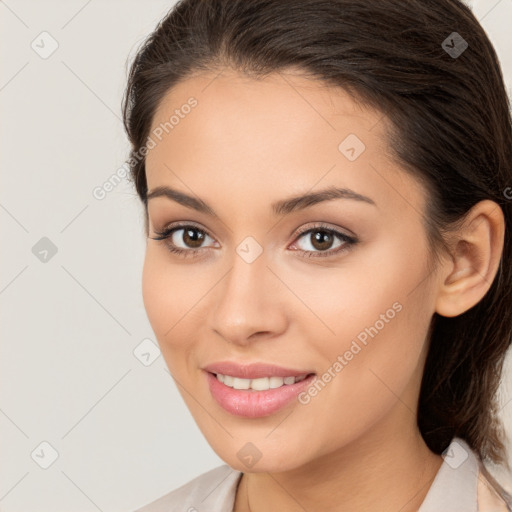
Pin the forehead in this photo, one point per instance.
(276, 100)
(267, 121)
(285, 131)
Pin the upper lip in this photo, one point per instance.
(253, 370)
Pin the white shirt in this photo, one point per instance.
(462, 484)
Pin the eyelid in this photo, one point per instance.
(348, 240)
(181, 224)
(327, 227)
(298, 232)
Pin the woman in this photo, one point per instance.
(326, 191)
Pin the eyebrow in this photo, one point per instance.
(283, 207)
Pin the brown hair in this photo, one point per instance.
(450, 126)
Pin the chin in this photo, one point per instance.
(259, 456)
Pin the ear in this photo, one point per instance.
(475, 257)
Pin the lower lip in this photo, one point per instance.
(255, 404)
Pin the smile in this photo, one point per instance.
(261, 384)
(259, 397)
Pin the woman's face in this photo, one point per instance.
(351, 307)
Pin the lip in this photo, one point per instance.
(253, 370)
(249, 403)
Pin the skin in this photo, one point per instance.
(248, 143)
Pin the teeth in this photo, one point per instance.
(241, 383)
(262, 384)
(275, 382)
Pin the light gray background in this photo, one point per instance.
(70, 324)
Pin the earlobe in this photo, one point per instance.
(475, 257)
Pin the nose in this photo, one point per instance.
(249, 303)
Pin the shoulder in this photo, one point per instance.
(212, 490)
(463, 484)
(491, 495)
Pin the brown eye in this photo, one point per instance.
(185, 239)
(192, 237)
(321, 241)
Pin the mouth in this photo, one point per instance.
(261, 383)
(258, 397)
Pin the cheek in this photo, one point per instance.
(389, 305)
(377, 368)
(168, 293)
(155, 294)
(379, 311)
(175, 295)
(361, 294)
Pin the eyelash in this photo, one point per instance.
(348, 240)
